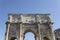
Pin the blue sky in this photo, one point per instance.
(29, 6)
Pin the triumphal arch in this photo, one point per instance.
(18, 25)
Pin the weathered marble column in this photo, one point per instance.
(21, 32)
(39, 31)
(38, 23)
(52, 32)
(8, 25)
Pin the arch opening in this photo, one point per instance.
(57, 38)
(13, 38)
(45, 38)
(29, 36)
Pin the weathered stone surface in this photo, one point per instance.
(57, 34)
(19, 24)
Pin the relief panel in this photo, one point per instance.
(29, 26)
(16, 18)
(43, 18)
(28, 19)
(14, 29)
(45, 29)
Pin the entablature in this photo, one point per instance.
(29, 18)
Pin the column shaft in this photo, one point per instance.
(7, 31)
(39, 31)
(21, 32)
(52, 32)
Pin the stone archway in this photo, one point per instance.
(19, 24)
(31, 31)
